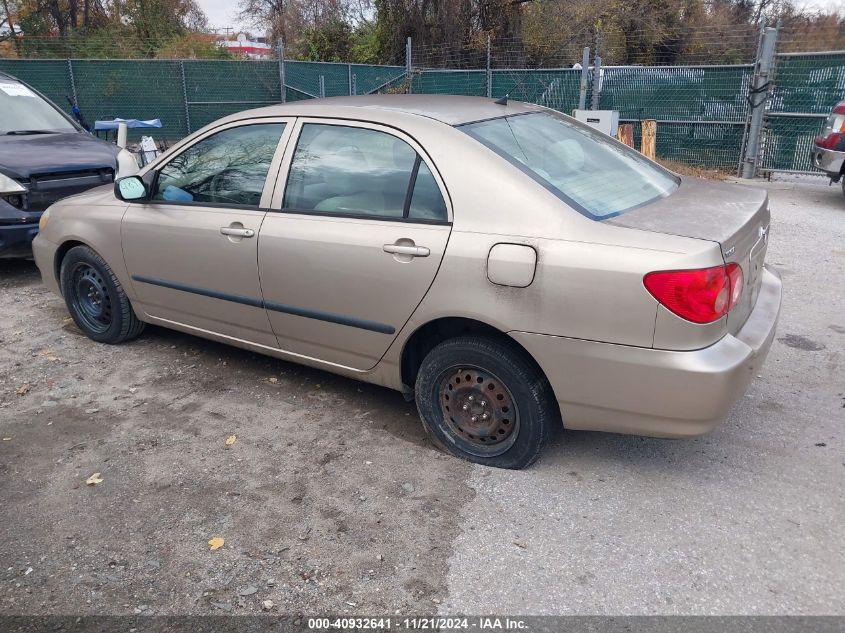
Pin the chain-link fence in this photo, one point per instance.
(805, 87)
(705, 106)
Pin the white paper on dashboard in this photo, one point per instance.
(16, 90)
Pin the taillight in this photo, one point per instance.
(735, 277)
(830, 141)
(702, 295)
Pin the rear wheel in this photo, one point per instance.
(95, 299)
(486, 401)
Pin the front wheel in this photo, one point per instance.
(486, 401)
(95, 299)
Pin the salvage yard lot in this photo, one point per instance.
(331, 499)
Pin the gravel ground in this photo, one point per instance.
(331, 500)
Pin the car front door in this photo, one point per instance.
(191, 247)
(352, 241)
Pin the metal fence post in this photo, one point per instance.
(596, 96)
(280, 52)
(489, 72)
(185, 96)
(349, 78)
(322, 86)
(72, 81)
(758, 94)
(354, 83)
(408, 65)
(585, 74)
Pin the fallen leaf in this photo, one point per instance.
(273, 380)
(215, 543)
(94, 479)
(231, 440)
(23, 389)
(50, 355)
(520, 544)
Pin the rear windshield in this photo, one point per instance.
(586, 169)
(24, 110)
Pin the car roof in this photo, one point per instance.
(449, 109)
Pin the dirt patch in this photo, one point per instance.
(330, 499)
(798, 341)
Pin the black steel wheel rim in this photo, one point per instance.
(478, 409)
(90, 296)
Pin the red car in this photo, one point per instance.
(829, 151)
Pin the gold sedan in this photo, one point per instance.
(504, 265)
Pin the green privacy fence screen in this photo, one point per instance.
(186, 95)
(806, 87)
(702, 111)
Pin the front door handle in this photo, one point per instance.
(408, 250)
(236, 231)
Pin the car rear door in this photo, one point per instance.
(191, 248)
(358, 226)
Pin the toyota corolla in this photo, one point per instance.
(508, 267)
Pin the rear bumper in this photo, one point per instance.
(829, 161)
(16, 239)
(641, 391)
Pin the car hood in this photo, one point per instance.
(23, 156)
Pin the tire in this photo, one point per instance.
(95, 299)
(477, 376)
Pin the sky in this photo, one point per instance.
(222, 13)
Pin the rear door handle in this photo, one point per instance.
(403, 249)
(236, 232)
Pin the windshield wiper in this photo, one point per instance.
(25, 132)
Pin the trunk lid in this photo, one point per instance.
(734, 216)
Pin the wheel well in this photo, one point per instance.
(427, 337)
(60, 255)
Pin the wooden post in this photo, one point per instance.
(625, 133)
(648, 145)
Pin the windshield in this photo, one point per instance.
(25, 111)
(586, 169)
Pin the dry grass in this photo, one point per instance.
(697, 171)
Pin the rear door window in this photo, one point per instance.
(353, 171)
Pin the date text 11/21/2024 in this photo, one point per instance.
(432, 623)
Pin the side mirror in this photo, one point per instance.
(130, 188)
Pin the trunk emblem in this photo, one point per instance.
(764, 232)
(730, 251)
